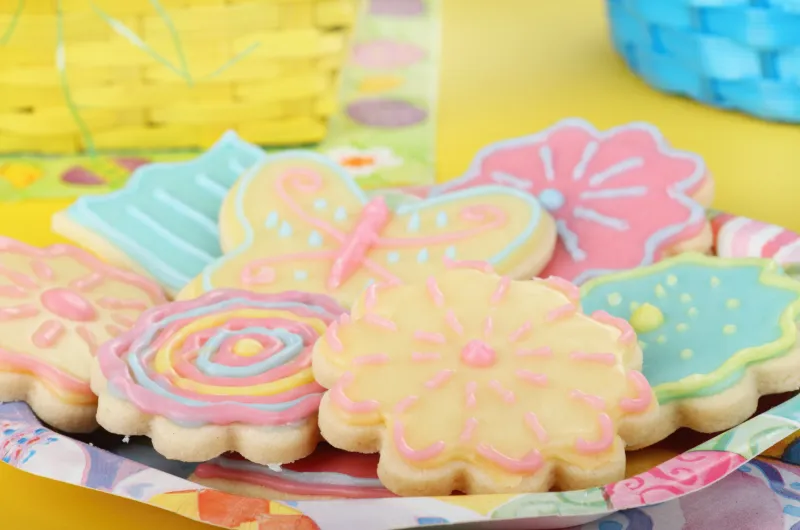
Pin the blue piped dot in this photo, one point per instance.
(300, 275)
(393, 257)
(315, 239)
(341, 214)
(320, 204)
(551, 199)
(413, 223)
(422, 256)
(441, 219)
(450, 252)
(286, 230)
(272, 220)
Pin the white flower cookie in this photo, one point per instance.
(716, 333)
(57, 305)
(503, 386)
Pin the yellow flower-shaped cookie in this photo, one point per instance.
(477, 383)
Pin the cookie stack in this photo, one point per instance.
(514, 330)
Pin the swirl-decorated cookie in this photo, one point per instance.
(57, 305)
(229, 371)
(327, 473)
(298, 222)
(621, 198)
(503, 386)
(716, 334)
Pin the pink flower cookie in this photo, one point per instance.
(229, 371)
(57, 305)
(500, 387)
(621, 198)
(299, 222)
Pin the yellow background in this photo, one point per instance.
(510, 67)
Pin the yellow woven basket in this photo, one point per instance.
(80, 75)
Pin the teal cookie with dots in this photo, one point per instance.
(705, 324)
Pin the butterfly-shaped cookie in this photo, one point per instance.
(297, 221)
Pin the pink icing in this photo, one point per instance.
(488, 326)
(12, 291)
(520, 332)
(605, 440)
(593, 401)
(505, 394)
(19, 362)
(404, 404)
(417, 356)
(374, 217)
(48, 334)
(469, 429)
(608, 359)
(68, 304)
(561, 312)
(478, 354)
(428, 336)
(435, 292)
(219, 409)
(438, 380)
(627, 335)
(530, 463)
(644, 394)
(381, 322)
(543, 351)
(625, 185)
(533, 422)
(470, 389)
(20, 311)
(109, 302)
(501, 290)
(42, 270)
(375, 358)
(569, 289)
(415, 455)
(87, 283)
(740, 237)
(341, 400)
(466, 264)
(683, 474)
(452, 321)
(532, 377)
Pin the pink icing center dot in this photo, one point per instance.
(68, 304)
(478, 354)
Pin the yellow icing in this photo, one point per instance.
(660, 291)
(729, 329)
(714, 281)
(692, 312)
(672, 280)
(732, 303)
(614, 299)
(661, 339)
(247, 348)
(686, 298)
(681, 327)
(686, 354)
(646, 318)
(440, 413)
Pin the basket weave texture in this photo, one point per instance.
(80, 75)
(735, 54)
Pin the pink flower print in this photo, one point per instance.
(621, 198)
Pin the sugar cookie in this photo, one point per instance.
(163, 223)
(503, 386)
(327, 473)
(740, 237)
(716, 334)
(621, 198)
(229, 371)
(299, 222)
(57, 304)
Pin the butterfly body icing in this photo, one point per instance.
(297, 221)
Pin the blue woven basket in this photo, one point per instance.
(734, 54)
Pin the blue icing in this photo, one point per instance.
(144, 342)
(551, 199)
(450, 252)
(315, 239)
(393, 257)
(320, 204)
(272, 220)
(300, 275)
(410, 208)
(422, 256)
(165, 218)
(413, 222)
(711, 310)
(286, 229)
(340, 214)
(441, 219)
(293, 346)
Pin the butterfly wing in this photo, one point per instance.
(281, 225)
(501, 226)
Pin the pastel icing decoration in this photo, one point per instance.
(499, 387)
(740, 237)
(716, 334)
(621, 198)
(300, 212)
(229, 371)
(58, 304)
(163, 223)
(327, 473)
